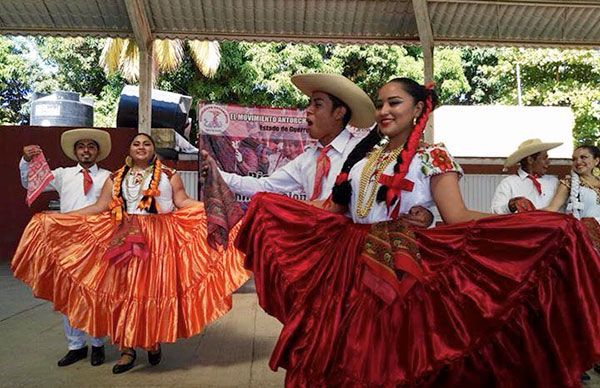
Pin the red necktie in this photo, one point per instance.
(323, 165)
(87, 181)
(536, 183)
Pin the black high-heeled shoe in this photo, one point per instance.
(155, 356)
(121, 368)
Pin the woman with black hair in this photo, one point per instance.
(373, 301)
(142, 273)
(581, 191)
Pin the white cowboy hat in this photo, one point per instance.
(527, 148)
(70, 137)
(363, 110)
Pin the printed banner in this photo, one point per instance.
(254, 141)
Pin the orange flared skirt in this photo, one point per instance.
(173, 293)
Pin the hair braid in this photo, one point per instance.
(148, 201)
(410, 148)
(118, 203)
(342, 190)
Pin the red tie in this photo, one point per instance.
(536, 183)
(323, 165)
(87, 181)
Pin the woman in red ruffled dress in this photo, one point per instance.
(143, 273)
(369, 300)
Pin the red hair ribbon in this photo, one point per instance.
(341, 178)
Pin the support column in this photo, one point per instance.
(140, 27)
(427, 44)
(145, 91)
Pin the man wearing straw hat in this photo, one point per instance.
(335, 102)
(77, 187)
(530, 188)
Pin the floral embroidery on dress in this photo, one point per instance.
(437, 160)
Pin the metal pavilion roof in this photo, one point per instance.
(426, 22)
(469, 22)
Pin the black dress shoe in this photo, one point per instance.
(154, 357)
(120, 368)
(585, 377)
(97, 355)
(73, 356)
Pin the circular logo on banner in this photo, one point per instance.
(213, 120)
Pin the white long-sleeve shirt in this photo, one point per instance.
(68, 182)
(298, 174)
(520, 186)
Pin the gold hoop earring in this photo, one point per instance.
(596, 171)
(129, 161)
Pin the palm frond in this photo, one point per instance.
(168, 54)
(110, 58)
(130, 57)
(206, 56)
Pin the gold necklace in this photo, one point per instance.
(376, 164)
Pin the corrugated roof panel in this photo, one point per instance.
(463, 21)
(25, 14)
(495, 22)
(176, 15)
(70, 18)
(531, 23)
(582, 23)
(88, 14)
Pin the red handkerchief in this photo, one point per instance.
(38, 177)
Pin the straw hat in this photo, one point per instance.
(527, 148)
(70, 137)
(363, 110)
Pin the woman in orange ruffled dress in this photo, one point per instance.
(144, 272)
(370, 301)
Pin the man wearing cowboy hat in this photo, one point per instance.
(530, 183)
(335, 102)
(77, 187)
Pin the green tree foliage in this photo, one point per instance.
(549, 77)
(74, 66)
(259, 74)
(16, 77)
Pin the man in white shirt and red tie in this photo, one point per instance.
(335, 102)
(530, 188)
(77, 187)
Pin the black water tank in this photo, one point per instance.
(61, 109)
(169, 110)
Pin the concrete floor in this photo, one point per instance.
(232, 352)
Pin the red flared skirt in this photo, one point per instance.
(174, 292)
(509, 301)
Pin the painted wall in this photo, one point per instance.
(14, 213)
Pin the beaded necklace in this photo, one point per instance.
(136, 179)
(377, 162)
(596, 189)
